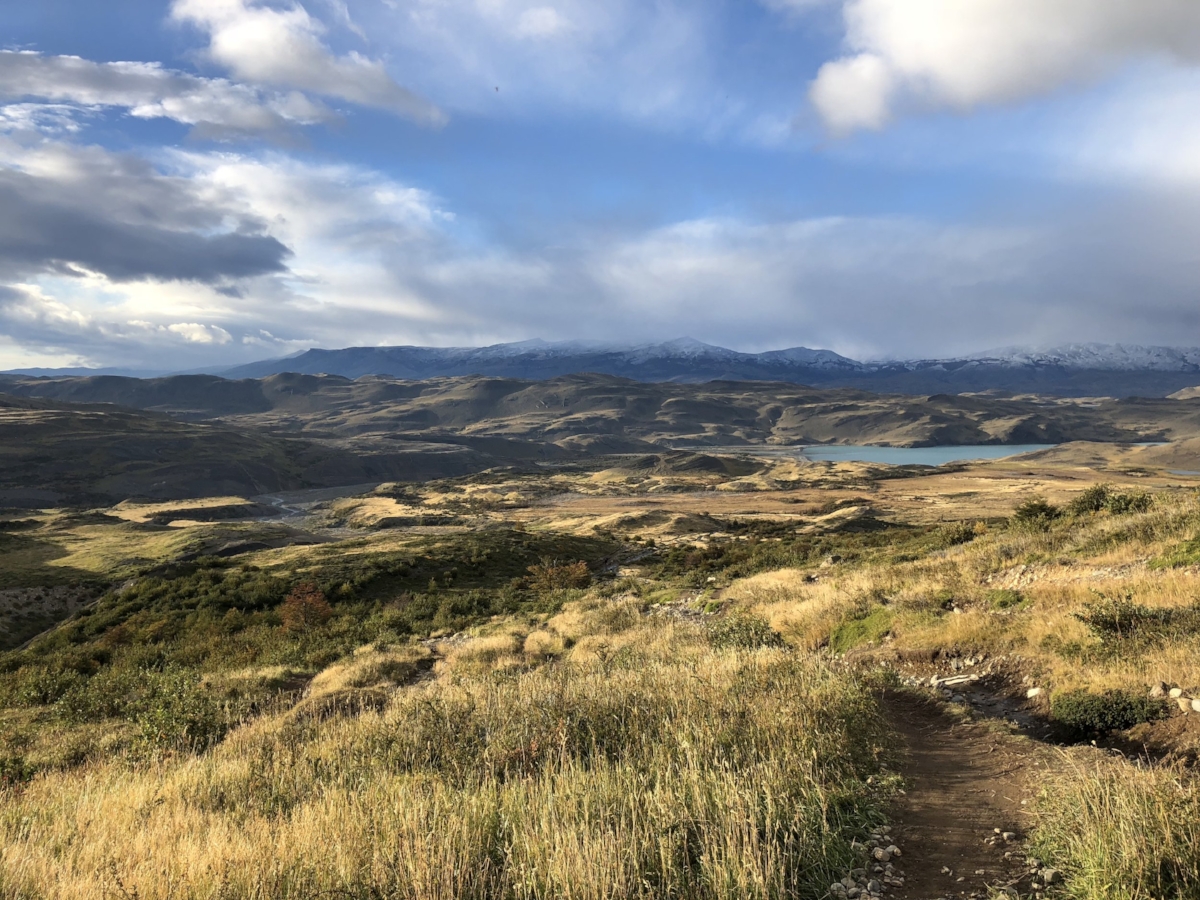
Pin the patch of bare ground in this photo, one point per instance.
(962, 819)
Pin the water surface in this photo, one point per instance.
(916, 456)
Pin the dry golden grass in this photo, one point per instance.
(944, 600)
(1122, 833)
(613, 779)
(132, 511)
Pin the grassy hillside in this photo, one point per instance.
(720, 412)
(54, 454)
(670, 676)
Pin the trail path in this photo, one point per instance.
(965, 779)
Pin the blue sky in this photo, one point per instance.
(197, 182)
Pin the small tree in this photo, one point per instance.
(551, 575)
(1036, 513)
(305, 607)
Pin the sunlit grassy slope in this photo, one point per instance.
(475, 719)
(661, 768)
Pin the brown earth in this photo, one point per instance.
(964, 779)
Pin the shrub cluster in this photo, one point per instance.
(1036, 513)
(1104, 498)
(1085, 713)
(1119, 622)
(743, 631)
(552, 575)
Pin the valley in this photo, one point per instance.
(307, 637)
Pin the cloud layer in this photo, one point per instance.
(124, 253)
(904, 54)
(214, 106)
(261, 254)
(283, 48)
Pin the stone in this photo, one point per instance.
(1158, 691)
(1176, 693)
(1196, 705)
(1033, 692)
(1009, 836)
(1051, 876)
(881, 854)
(875, 887)
(893, 850)
(1185, 704)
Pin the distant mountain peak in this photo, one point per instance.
(1104, 357)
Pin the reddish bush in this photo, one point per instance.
(305, 607)
(550, 575)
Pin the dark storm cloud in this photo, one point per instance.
(123, 220)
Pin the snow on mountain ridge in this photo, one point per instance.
(1110, 357)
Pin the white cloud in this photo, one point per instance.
(283, 48)
(649, 62)
(1147, 132)
(540, 22)
(376, 261)
(963, 53)
(215, 107)
(195, 333)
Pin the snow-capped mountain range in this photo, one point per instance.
(1069, 370)
(573, 356)
(1107, 357)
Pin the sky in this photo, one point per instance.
(191, 183)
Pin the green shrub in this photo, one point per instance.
(956, 533)
(180, 714)
(1116, 621)
(1036, 512)
(1005, 598)
(1123, 504)
(1091, 500)
(743, 631)
(14, 771)
(1185, 554)
(1085, 713)
(1102, 498)
(869, 628)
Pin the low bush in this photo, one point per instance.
(180, 714)
(552, 575)
(1103, 498)
(305, 607)
(1005, 598)
(870, 627)
(1035, 513)
(956, 533)
(1118, 622)
(1084, 713)
(743, 631)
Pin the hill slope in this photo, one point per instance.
(580, 410)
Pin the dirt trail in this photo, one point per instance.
(964, 780)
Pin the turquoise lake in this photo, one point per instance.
(917, 456)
